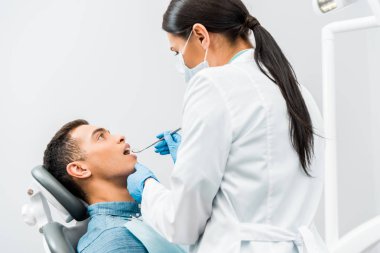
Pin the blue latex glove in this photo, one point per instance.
(169, 145)
(136, 181)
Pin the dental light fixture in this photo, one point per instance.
(367, 234)
(324, 6)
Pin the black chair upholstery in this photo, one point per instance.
(59, 238)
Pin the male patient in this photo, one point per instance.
(94, 165)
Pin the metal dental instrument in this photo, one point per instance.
(139, 151)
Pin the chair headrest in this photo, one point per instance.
(72, 204)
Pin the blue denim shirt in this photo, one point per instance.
(106, 232)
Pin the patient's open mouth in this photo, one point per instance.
(127, 151)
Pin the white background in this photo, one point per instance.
(108, 62)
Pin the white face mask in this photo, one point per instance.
(190, 72)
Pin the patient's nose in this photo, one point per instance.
(121, 139)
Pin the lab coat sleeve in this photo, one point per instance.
(180, 213)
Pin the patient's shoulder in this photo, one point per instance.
(112, 240)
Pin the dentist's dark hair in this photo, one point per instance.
(232, 19)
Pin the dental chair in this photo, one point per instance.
(46, 191)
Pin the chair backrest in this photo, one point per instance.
(59, 238)
(75, 207)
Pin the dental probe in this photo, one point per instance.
(139, 151)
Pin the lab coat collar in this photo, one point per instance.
(246, 56)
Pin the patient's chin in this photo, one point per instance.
(131, 165)
(134, 164)
(130, 171)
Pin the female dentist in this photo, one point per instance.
(248, 175)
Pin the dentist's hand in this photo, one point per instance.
(136, 181)
(169, 145)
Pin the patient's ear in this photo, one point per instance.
(78, 170)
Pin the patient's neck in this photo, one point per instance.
(107, 191)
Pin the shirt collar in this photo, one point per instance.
(243, 56)
(124, 209)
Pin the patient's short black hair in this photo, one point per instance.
(61, 151)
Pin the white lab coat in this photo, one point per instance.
(237, 185)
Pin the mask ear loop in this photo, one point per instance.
(205, 59)
(206, 55)
(187, 42)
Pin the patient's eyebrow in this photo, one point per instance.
(99, 130)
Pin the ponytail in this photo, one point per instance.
(232, 19)
(269, 58)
